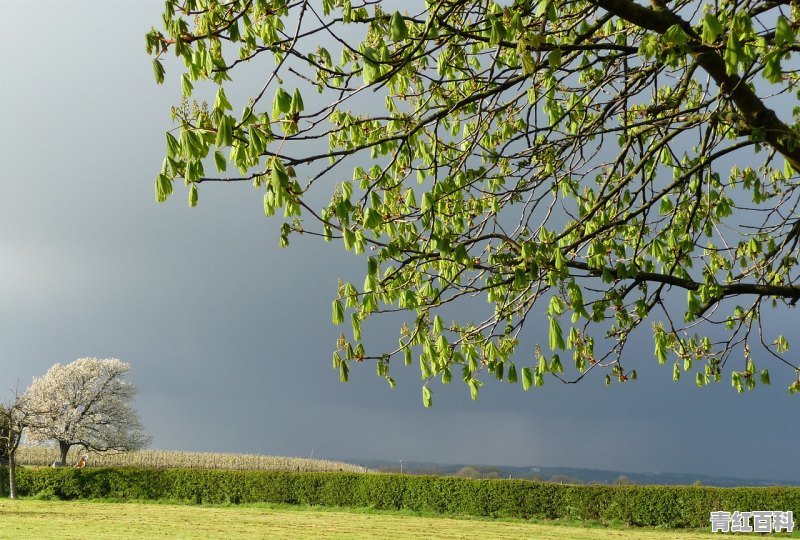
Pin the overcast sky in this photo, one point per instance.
(229, 337)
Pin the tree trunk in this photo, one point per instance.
(64, 447)
(12, 475)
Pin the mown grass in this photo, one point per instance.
(28, 518)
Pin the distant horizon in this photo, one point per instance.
(422, 464)
(535, 465)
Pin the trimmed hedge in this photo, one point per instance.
(669, 506)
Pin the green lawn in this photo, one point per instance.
(86, 520)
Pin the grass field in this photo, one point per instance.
(166, 459)
(73, 519)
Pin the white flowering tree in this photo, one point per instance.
(86, 403)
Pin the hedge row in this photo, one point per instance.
(669, 506)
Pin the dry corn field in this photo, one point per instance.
(170, 459)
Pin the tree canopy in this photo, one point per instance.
(597, 166)
(87, 402)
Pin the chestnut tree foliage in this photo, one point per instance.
(594, 166)
(86, 403)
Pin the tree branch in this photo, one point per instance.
(755, 113)
(732, 289)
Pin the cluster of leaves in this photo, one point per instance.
(579, 161)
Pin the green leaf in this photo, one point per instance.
(296, 104)
(372, 219)
(398, 27)
(783, 31)
(438, 325)
(281, 103)
(447, 375)
(782, 344)
(220, 161)
(527, 378)
(556, 337)
(371, 70)
(772, 67)
(497, 32)
(472, 362)
(712, 28)
(427, 400)
(528, 63)
(498, 370)
(424, 367)
(269, 204)
(736, 381)
(559, 261)
(193, 195)
(555, 365)
(542, 7)
(355, 320)
(427, 202)
(337, 314)
(556, 306)
(222, 103)
(693, 302)
(278, 177)
(186, 85)
(554, 58)
(224, 135)
(541, 367)
(512, 373)
(347, 190)
(158, 71)
(676, 35)
(173, 146)
(734, 53)
(474, 385)
(163, 187)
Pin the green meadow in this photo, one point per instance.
(29, 518)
